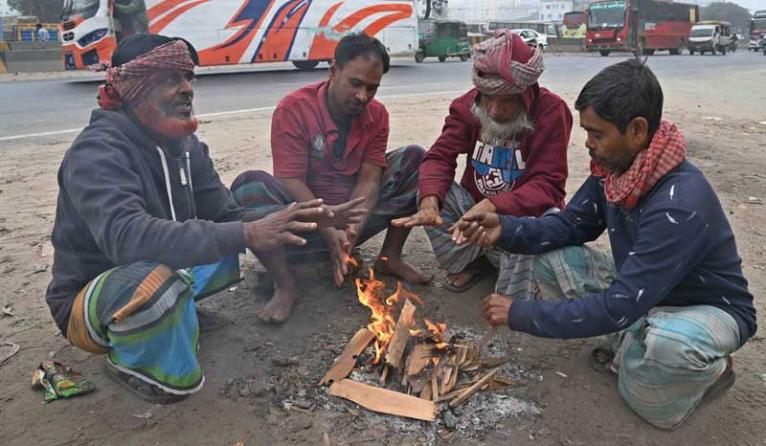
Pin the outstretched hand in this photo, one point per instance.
(341, 216)
(277, 228)
(481, 229)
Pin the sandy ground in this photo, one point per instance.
(254, 371)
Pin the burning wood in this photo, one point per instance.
(347, 360)
(422, 360)
(385, 401)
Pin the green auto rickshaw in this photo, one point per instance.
(443, 39)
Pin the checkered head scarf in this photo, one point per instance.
(131, 82)
(505, 64)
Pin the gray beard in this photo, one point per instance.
(493, 130)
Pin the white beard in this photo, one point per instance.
(493, 130)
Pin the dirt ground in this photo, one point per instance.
(256, 373)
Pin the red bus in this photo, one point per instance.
(640, 26)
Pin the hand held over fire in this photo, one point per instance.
(278, 228)
(496, 309)
(427, 215)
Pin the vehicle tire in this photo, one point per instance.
(691, 52)
(464, 57)
(723, 50)
(305, 65)
(604, 53)
(702, 52)
(420, 57)
(442, 58)
(649, 52)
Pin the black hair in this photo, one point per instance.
(138, 44)
(354, 45)
(622, 92)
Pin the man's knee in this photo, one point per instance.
(253, 176)
(413, 153)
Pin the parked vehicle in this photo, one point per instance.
(443, 39)
(640, 26)
(574, 25)
(532, 38)
(228, 32)
(757, 31)
(710, 36)
(546, 28)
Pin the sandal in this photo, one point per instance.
(478, 269)
(139, 388)
(722, 384)
(601, 360)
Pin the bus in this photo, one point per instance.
(757, 31)
(226, 32)
(640, 26)
(573, 26)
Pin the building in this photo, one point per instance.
(553, 10)
(6, 10)
(483, 11)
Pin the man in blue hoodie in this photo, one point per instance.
(673, 298)
(144, 226)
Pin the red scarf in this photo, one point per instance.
(666, 151)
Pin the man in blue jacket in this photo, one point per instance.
(144, 226)
(673, 297)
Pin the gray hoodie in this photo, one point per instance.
(113, 207)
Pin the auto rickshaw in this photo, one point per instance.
(443, 39)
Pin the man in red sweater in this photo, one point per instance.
(515, 135)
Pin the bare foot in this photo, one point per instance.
(460, 279)
(279, 307)
(401, 270)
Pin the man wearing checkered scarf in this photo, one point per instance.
(514, 135)
(145, 228)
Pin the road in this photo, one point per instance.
(723, 84)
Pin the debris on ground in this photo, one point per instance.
(59, 381)
(7, 351)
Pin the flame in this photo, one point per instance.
(350, 261)
(370, 292)
(382, 324)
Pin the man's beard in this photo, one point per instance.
(167, 127)
(491, 129)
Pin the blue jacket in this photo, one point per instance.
(675, 248)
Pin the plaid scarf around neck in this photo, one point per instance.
(666, 151)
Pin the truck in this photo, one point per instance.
(757, 31)
(710, 35)
(225, 32)
(573, 25)
(640, 26)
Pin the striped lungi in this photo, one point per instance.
(515, 271)
(665, 361)
(143, 317)
(260, 192)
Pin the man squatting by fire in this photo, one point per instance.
(329, 141)
(671, 299)
(144, 227)
(515, 135)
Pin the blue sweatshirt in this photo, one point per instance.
(675, 248)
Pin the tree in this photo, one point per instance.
(48, 11)
(738, 16)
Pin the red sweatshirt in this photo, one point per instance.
(524, 177)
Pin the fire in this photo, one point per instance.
(382, 323)
(370, 292)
